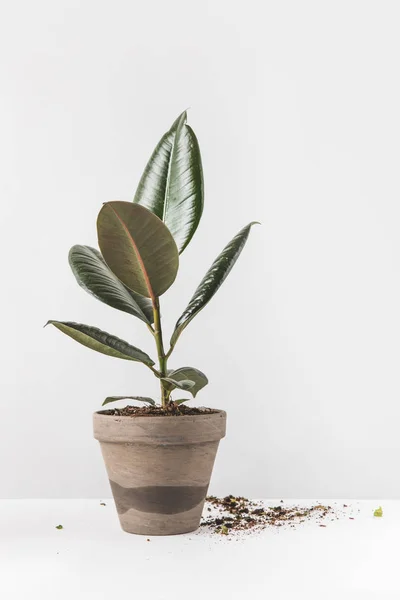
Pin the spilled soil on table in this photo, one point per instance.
(233, 514)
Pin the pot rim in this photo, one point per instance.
(102, 413)
(160, 429)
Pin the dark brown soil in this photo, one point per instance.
(172, 410)
(235, 513)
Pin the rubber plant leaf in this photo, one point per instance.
(138, 248)
(171, 384)
(191, 374)
(103, 342)
(95, 277)
(172, 183)
(139, 398)
(212, 280)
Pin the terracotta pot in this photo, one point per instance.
(159, 468)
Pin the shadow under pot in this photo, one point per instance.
(159, 468)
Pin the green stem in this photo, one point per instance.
(162, 358)
(169, 352)
(150, 328)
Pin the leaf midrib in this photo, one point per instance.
(166, 195)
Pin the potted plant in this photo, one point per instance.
(159, 457)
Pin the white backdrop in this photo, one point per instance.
(296, 107)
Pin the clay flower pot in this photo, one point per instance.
(159, 468)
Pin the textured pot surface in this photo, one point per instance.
(159, 468)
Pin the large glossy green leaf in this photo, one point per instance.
(212, 280)
(138, 248)
(139, 398)
(189, 374)
(94, 276)
(103, 342)
(172, 183)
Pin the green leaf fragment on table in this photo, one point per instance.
(224, 530)
(378, 512)
(59, 527)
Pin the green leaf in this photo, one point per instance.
(94, 276)
(378, 512)
(189, 374)
(181, 401)
(138, 248)
(172, 183)
(139, 398)
(212, 280)
(103, 342)
(171, 384)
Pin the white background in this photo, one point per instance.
(296, 107)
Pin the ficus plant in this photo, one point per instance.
(140, 243)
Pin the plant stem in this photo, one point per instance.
(171, 349)
(162, 359)
(150, 328)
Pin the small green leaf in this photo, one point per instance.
(184, 384)
(191, 374)
(101, 341)
(139, 398)
(378, 512)
(181, 401)
(59, 527)
(224, 530)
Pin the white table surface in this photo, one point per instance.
(92, 559)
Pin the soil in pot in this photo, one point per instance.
(172, 410)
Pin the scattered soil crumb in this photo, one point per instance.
(103, 504)
(234, 514)
(172, 410)
(148, 540)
